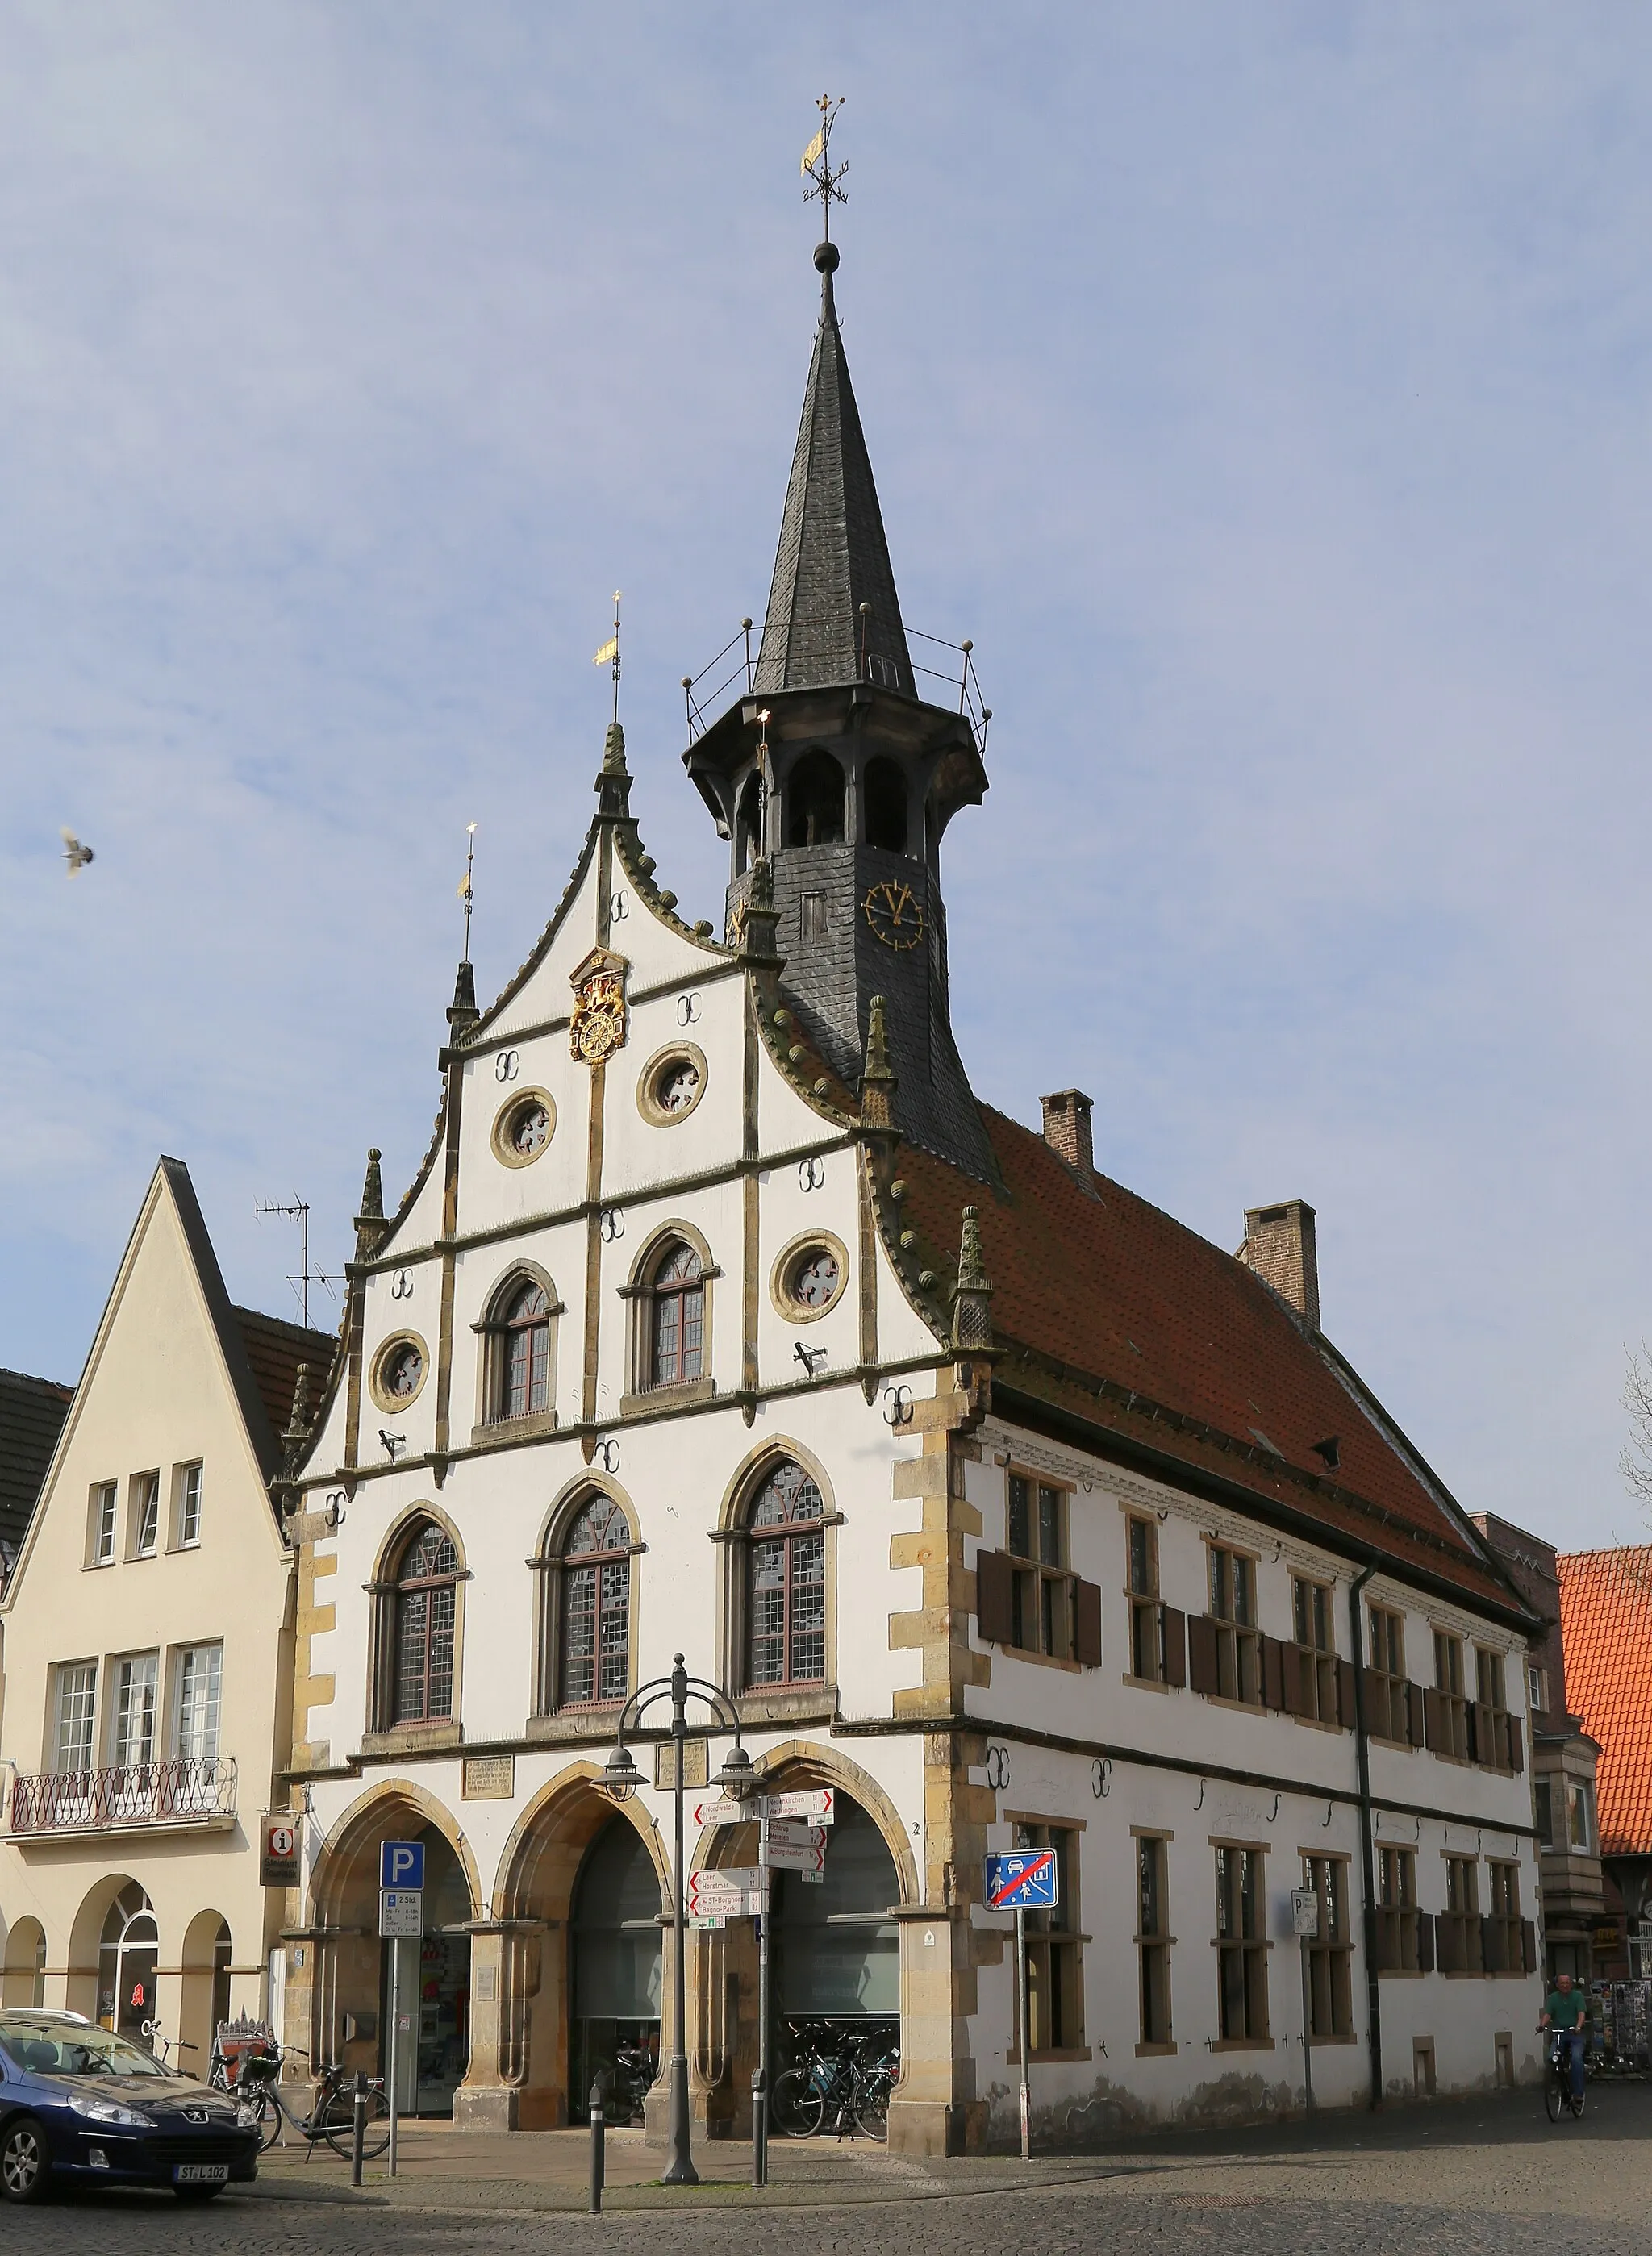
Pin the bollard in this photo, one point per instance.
(760, 2128)
(597, 2153)
(358, 2130)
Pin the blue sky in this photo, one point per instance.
(1264, 389)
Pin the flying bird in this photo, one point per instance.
(74, 853)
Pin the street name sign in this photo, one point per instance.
(1024, 1882)
(401, 1912)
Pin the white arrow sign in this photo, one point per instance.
(793, 1857)
(817, 1803)
(734, 1893)
(793, 1833)
(726, 1811)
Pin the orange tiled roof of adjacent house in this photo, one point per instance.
(1606, 1622)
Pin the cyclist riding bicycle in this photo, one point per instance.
(1566, 2011)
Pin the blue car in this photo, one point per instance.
(81, 2105)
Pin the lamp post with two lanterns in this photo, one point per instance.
(620, 1779)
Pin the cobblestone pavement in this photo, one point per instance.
(1486, 2178)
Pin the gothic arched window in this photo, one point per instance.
(786, 1580)
(426, 1602)
(594, 1605)
(814, 802)
(676, 1317)
(525, 1362)
(887, 818)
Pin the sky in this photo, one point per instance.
(1264, 389)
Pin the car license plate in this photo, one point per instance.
(201, 2174)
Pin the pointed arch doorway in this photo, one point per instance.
(614, 1970)
(836, 1946)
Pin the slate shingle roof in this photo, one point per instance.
(32, 1415)
(1606, 1622)
(1112, 1312)
(274, 1351)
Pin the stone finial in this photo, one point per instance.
(298, 1429)
(877, 1081)
(462, 1012)
(972, 1295)
(370, 1222)
(613, 783)
(759, 919)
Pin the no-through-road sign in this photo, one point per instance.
(1023, 1881)
(401, 1864)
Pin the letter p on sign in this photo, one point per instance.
(401, 1865)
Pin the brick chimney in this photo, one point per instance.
(1067, 1132)
(1280, 1245)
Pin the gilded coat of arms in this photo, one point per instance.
(599, 1026)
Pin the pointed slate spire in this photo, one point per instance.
(833, 613)
(613, 784)
(877, 1082)
(462, 1012)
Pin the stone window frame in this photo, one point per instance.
(1248, 1946)
(1154, 1973)
(380, 1734)
(758, 1703)
(1235, 1638)
(1060, 1938)
(394, 1405)
(1330, 1954)
(548, 1565)
(493, 1424)
(638, 1292)
(1029, 1567)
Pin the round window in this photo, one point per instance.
(399, 1372)
(809, 1276)
(525, 1127)
(672, 1084)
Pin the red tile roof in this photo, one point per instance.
(1605, 1621)
(1111, 1311)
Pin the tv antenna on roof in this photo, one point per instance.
(299, 1211)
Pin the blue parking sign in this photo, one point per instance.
(1025, 1881)
(401, 1865)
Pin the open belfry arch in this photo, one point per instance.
(721, 1317)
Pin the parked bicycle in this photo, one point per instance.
(1558, 2091)
(333, 2117)
(839, 2081)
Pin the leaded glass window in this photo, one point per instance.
(427, 1604)
(596, 1605)
(786, 1594)
(677, 1331)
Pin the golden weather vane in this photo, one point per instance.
(818, 168)
(610, 650)
(464, 887)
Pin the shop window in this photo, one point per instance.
(1054, 1973)
(1241, 1945)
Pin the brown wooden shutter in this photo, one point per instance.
(1425, 1943)
(1517, 1744)
(1203, 1672)
(1528, 1947)
(1272, 1673)
(1175, 1644)
(1416, 1727)
(1345, 1709)
(1437, 1728)
(994, 1586)
(1087, 1626)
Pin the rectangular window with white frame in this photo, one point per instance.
(74, 1726)
(186, 1507)
(143, 1521)
(199, 1700)
(1580, 1826)
(137, 1684)
(102, 1519)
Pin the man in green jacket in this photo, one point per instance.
(1567, 2010)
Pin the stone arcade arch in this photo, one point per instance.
(337, 2001)
(206, 1987)
(24, 1983)
(847, 1969)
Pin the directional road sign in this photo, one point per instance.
(401, 1864)
(816, 1803)
(735, 1892)
(725, 1811)
(807, 1855)
(1025, 1881)
(401, 1912)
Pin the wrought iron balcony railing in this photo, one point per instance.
(192, 1791)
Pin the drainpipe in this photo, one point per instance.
(1373, 1999)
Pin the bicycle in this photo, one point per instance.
(161, 2045)
(1558, 2091)
(332, 2118)
(850, 2082)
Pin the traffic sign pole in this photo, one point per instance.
(1027, 2035)
(395, 2063)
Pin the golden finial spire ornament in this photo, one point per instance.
(818, 168)
(464, 887)
(610, 650)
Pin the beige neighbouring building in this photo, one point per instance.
(146, 1639)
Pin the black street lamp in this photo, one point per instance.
(620, 1779)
